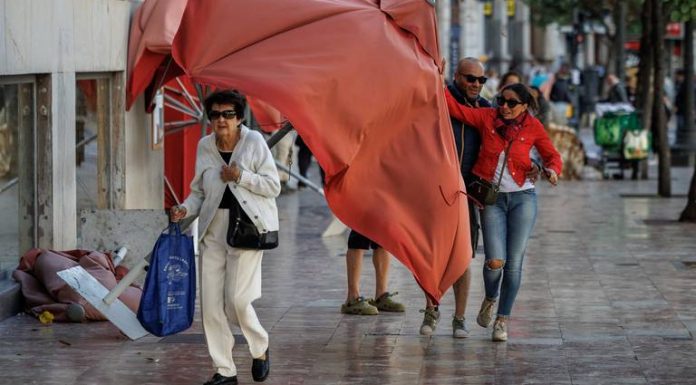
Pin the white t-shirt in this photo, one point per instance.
(507, 184)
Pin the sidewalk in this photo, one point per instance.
(608, 297)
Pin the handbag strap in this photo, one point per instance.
(507, 152)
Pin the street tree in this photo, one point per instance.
(614, 15)
(685, 10)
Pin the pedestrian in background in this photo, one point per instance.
(382, 301)
(508, 133)
(510, 77)
(491, 87)
(234, 171)
(543, 112)
(616, 91)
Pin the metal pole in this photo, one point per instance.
(275, 138)
(302, 179)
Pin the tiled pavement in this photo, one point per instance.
(606, 299)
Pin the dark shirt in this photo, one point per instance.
(228, 200)
(472, 139)
(680, 99)
(560, 91)
(617, 94)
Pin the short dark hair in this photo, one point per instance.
(524, 93)
(510, 74)
(231, 97)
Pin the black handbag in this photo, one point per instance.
(483, 192)
(242, 232)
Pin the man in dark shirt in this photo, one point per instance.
(466, 88)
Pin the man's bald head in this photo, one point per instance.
(470, 64)
(468, 76)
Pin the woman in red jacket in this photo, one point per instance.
(508, 223)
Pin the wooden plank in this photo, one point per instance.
(94, 292)
(26, 134)
(118, 141)
(63, 157)
(103, 144)
(44, 163)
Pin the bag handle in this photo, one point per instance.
(507, 152)
(174, 228)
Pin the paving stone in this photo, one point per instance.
(605, 299)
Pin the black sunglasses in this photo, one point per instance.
(512, 103)
(227, 114)
(472, 78)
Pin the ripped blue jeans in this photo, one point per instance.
(506, 227)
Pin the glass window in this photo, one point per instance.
(92, 138)
(16, 143)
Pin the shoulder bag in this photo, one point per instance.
(242, 232)
(484, 192)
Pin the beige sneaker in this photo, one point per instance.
(499, 331)
(430, 320)
(459, 328)
(485, 315)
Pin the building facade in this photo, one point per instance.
(66, 141)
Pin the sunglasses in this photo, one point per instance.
(227, 114)
(472, 78)
(512, 103)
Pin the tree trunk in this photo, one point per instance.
(644, 93)
(688, 57)
(664, 187)
(620, 39)
(689, 213)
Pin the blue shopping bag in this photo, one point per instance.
(168, 300)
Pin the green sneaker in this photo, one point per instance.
(359, 306)
(430, 320)
(386, 303)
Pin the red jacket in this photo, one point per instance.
(492, 144)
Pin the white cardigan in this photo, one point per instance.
(256, 191)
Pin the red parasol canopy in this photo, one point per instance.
(152, 30)
(361, 82)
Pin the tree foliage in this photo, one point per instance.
(681, 10)
(545, 12)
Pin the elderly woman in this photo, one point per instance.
(235, 173)
(508, 133)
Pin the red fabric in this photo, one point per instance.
(43, 290)
(531, 134)
(360, 81)
(152, 30)
(268, 118)
(179, 144)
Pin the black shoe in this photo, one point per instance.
(260, 368)
(219, 379)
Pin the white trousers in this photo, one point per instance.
(230, 282)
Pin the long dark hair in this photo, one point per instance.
(525, 95)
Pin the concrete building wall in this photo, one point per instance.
(49, 36)
(473, 29)
(144, 166)
(444, 21)
(62, 39)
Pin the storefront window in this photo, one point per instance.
(91, 141)
(16, 141)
